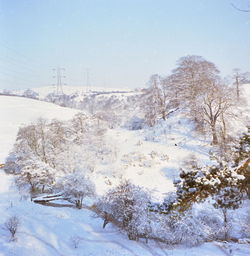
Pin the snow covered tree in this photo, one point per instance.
(33, 140)
(157, 100)
(220, 183)
(76, 186)
(80, 124)
(43, 140)
(242, 150)
(12, 225)
(227, 198)
(12, 163)
(242, 159)
(192, 77)
(199, 89)
(128, 204)
(150, 100)
(38, 175)
(215, 105)
(198, 184)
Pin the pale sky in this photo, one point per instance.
(122, 42)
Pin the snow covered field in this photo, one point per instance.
(151, 159)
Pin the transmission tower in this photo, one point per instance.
(59, 75)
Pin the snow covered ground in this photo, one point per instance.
(16, 111)
(69, 90)
(149, 158)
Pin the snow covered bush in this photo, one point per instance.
(178, 228)
(128, 204)
(75, 241)
(187, 229)
(12, 225)
(30, 94)
(245, 225)
(75, 187)
(135, 123)
(166, 206)
(211, 221)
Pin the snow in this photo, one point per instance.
(16, 111)
(69, 90)
(56, 231)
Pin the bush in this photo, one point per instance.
(128, 205)
(76, 187)
(12, 225)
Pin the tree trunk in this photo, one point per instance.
(224, 131)
(78, 204)
(164, 115)
(248, 192)
(215, 138)
(237, 88)
(225, 224)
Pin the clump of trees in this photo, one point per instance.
(196, 88)
(47, 154)
(158, 100)
(129, 207)
(227, 183)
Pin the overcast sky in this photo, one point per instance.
(122, 42)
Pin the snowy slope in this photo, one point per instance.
(48, 231)
(245, 92)
(16, 111)
(151, 158)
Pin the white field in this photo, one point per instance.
(47, 231)
(69, 90)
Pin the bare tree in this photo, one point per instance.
(199, 89)
(215, 105)
(150, 100)
(158, 100)
(193, 76)
(12, 225)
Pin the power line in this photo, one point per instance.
(9, 60)
(59, 75)
(15, 52)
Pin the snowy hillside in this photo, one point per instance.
(150, 158)
(43, 91)
(70, 90)
(16, 111)
(246, 92)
